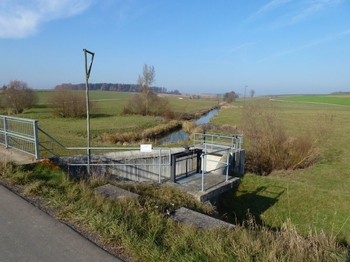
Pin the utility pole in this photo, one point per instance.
(87, 75)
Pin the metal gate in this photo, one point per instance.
(20, 134)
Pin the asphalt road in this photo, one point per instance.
(28, 234)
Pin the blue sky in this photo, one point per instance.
(196, 46)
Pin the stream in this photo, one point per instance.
(180, 135)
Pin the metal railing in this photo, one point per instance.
(20, 134)
(49, 144)
(214, 145)
(213, 142)
(220, 164)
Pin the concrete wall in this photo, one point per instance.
(139, 166)
(130, 165)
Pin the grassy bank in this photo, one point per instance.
(141, 230)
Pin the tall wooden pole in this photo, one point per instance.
(87, 75)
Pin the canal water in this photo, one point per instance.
(180, 135)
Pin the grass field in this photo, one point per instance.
(324, 99)
(108, 119)
(317, 197)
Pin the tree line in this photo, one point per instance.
(137, 88)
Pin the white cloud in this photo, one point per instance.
(315, 42)
(22, 18)
(268, 7)
(245, 45)
(291, 12)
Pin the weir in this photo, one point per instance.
(204, 169)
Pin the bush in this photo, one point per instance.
(269, 147)
(66, 103)
(151, 104)
(17, 96)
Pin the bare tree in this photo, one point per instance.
(230, 97)
(252, 92)
(17, 96)
(145, 81)
(148, 103)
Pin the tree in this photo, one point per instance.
(230, 97)
(17, 96)
(252, 92)
(147, 102)
(145, 81)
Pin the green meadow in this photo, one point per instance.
(324, 99)
(316, 198)
(107, 119)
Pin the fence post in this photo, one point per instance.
(36, 139)
(5, 133)
(203, 156)
(227, 163)
(159, 163)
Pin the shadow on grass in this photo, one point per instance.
(40, 106)
(235, 206)
(100, 115)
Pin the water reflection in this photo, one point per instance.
(180, 135)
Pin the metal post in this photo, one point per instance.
(203, 156)
(36, 139)
(5, 133)
(159, 163)
(87, 75)
(227, 163)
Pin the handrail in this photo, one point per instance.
(160, 164)
(204, 161)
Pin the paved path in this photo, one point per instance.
(28, 234)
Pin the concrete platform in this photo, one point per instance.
(13, 155)
(187, 216)
(214, 186)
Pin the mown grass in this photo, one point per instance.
(317, 197)
(141, 230)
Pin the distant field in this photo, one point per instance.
(329, 99)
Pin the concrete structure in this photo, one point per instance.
(159, 166)
(188, 216)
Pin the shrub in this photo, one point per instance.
(269, 147)
(66, 103)
(153, 105)
(17, 96)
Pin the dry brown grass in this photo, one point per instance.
(146, 135)
(270, 148)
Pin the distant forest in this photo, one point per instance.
(115, 87)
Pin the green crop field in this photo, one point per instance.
(324, 99)
(317, 197)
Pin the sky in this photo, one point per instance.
(196, 46)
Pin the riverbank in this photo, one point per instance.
(161, 131)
